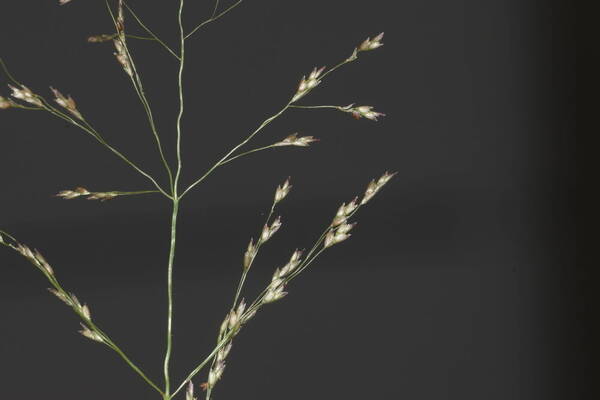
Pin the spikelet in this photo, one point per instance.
(364, 112)
(101, 38)
(249, 255)
(308, 84)
(67, 103)
(65, 298)
(122, 56)
(25, 94)
(371, 44)
(92, 335)
(83, 192)
(374, 186)
(294, 140)
(282, 191)
(269, 231)
(6, 103)
(189, 393)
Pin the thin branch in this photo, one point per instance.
(154, 36)
(246, 153)
(214, 17)
(139, 88)
(226, 156)
(215, 9)
(341, 108)
(90, 130)
(262, 125)
(67, 297)
(140, 37)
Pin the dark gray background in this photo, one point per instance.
(460, 281)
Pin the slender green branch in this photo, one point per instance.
(266, 122)
(140, 37)
(341, 108)
(216, 7)
(246, 153)
(154, 36)
(214, 17)
(135, 193)
(8, 74)
(76, 306)
(87, 128)
(226, 156)
(346, 61)
(139, 88)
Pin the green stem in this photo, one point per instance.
(170, 298)
(176, 198)
(214, 17)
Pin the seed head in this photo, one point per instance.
(71, 194)
(92, 335)
(371, 44)
(224, 352)
(62, 296)
(241, 308)
(345, 228)
(41, 262)
(81, 191)
(26, 95)
(365, 112)
(334, 237)
(6, 103)
(344, 211)
(101, 38)
(122, 56)
(233, 319)
(249, 254)
(189, 393)
(102, 196)
(294, 140)
(294, 261)
(275, 292)
(121, 19)
(282, 191)
(215, 374)
(375, 186)
(224, 325)
(269, 231)
(67, 103)
(307, 84)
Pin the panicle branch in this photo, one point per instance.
(89, 329)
